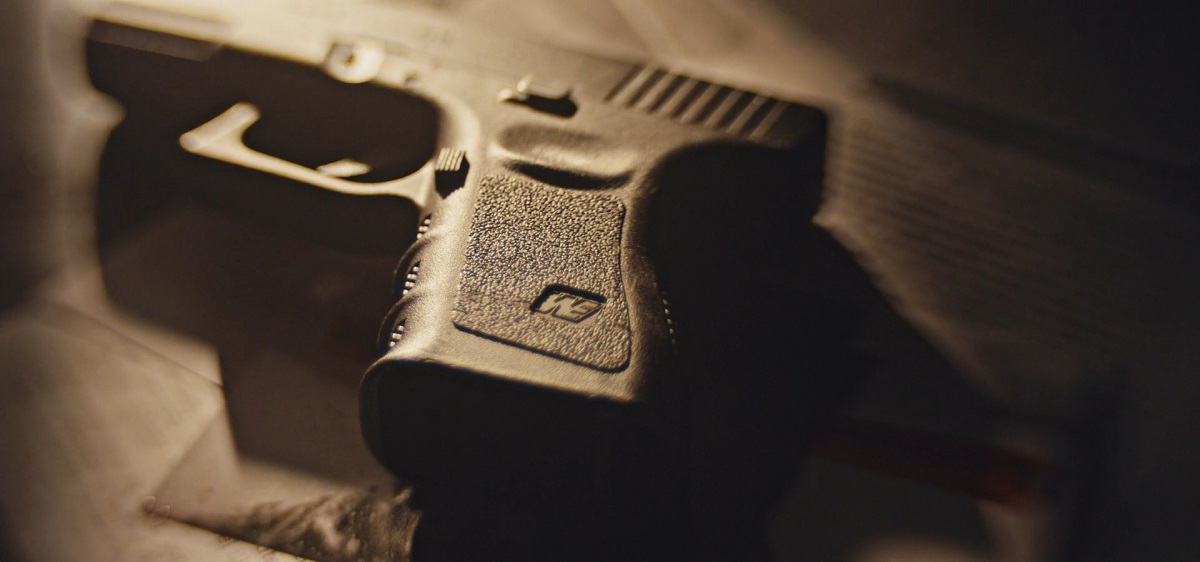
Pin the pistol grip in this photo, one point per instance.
(531, 358)
(525, 358)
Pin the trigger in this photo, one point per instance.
(450, 170)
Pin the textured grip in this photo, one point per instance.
(526, 349)
(543, 272)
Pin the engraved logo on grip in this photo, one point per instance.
(567, 304)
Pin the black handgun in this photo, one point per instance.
(604, 308)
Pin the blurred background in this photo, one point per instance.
(1035, 227)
